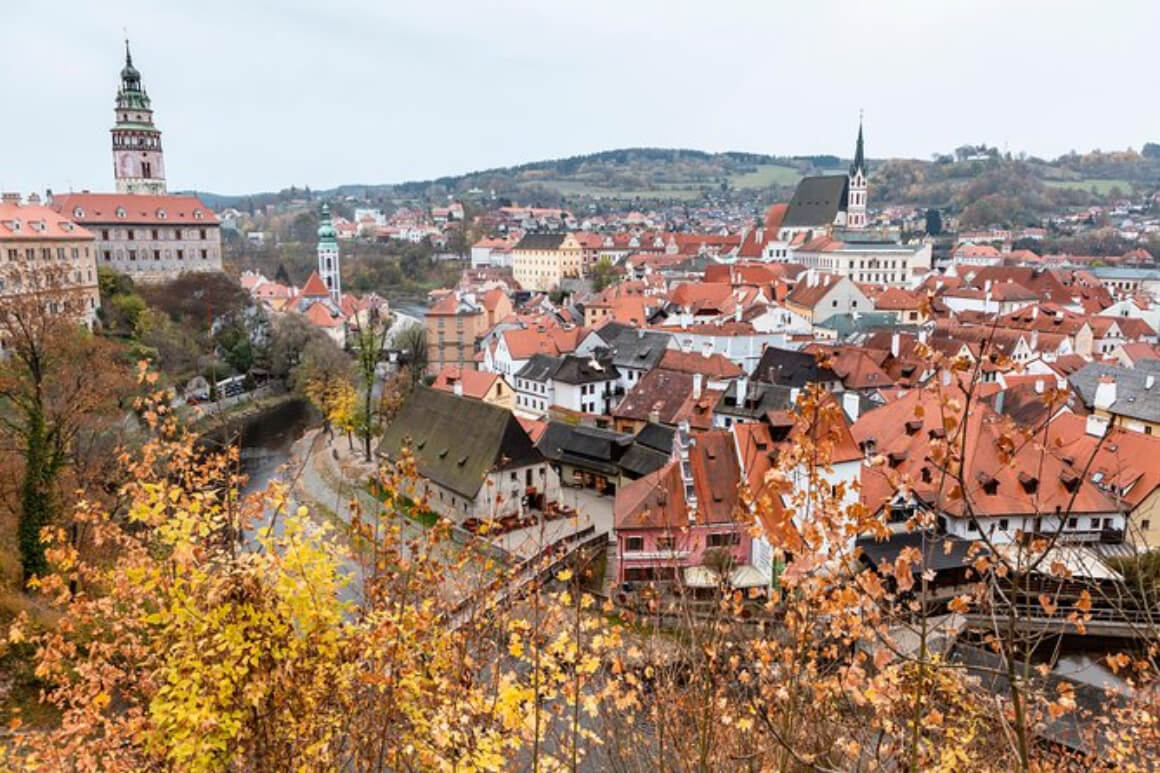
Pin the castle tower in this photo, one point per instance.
(856, 205)
(328, 267)
(138, 162)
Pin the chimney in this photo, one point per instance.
(10, 198)
(1035, 311)
(987, 287)
(1038, 386)
(34, 199)
(737, 313)
(742, 391)
(697, 378)
(825, 280)
(895, 341)
(654, 416)
(706, 349)
(850, 404)
(1096, 425)
(639, 333)
(1034, 340)
(1105, 393)
(457, 388)
(1149, 381)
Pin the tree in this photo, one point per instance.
(369, 341)
(933, 222)
(411, 341)
(56, 379)
(603, 274)
(1151, 150)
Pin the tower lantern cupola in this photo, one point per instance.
(138, 160)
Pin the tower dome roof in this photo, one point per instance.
(325, 227)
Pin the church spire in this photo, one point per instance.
(859, 151)
(138, 162)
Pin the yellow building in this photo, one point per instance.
(44, 256)
(542, 261)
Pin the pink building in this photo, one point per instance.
(669, 522)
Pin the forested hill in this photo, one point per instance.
(972, 176)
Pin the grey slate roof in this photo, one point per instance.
(539, 367)
(760, 398)
(817, 201)
(657, 437)
(540, 242)
(1133, 397)
(587, 447)
(584, 370)
(788, 368)
(639, 349)
(846, 324)
(457, 441)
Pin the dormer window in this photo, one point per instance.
(989, 484)
(78, 212)
(197, 215)
(160, 214)
(121, 212)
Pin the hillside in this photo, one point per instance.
(996, 185)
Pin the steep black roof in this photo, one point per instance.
(457, 441)
(657, 437)
(817, 201)
(540, 242)
(788, 368)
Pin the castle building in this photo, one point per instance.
(138, 160)
(46, 259)
(141, 230)
(328, 265)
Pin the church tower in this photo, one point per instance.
(856, 204)
(328, 267)
(138, 163)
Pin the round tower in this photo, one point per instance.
(856, 204)
(328, 267)
(138, 161)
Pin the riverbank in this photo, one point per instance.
(242, 414)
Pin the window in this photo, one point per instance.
(181, 254)
(156, 234)
(203, 236)
(633, 544)
(130, 234)
(665, 543)
(723, 539)
(157, 254)
(1002, 524)
(105, 234)
(108, 255)
(204, 255)
(1145, 524)
(1095, 523)
(132, 254)
(1072, 523)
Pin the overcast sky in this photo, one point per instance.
(257, 95)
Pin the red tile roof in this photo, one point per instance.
(476, 383)
(32, 222)
(314, 287)
(102, 208)
(715, 365)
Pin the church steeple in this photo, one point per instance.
(856, 201)
(138, 161)
(859, 152)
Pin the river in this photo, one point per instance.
(266, 441)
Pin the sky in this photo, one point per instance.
(256, 95)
